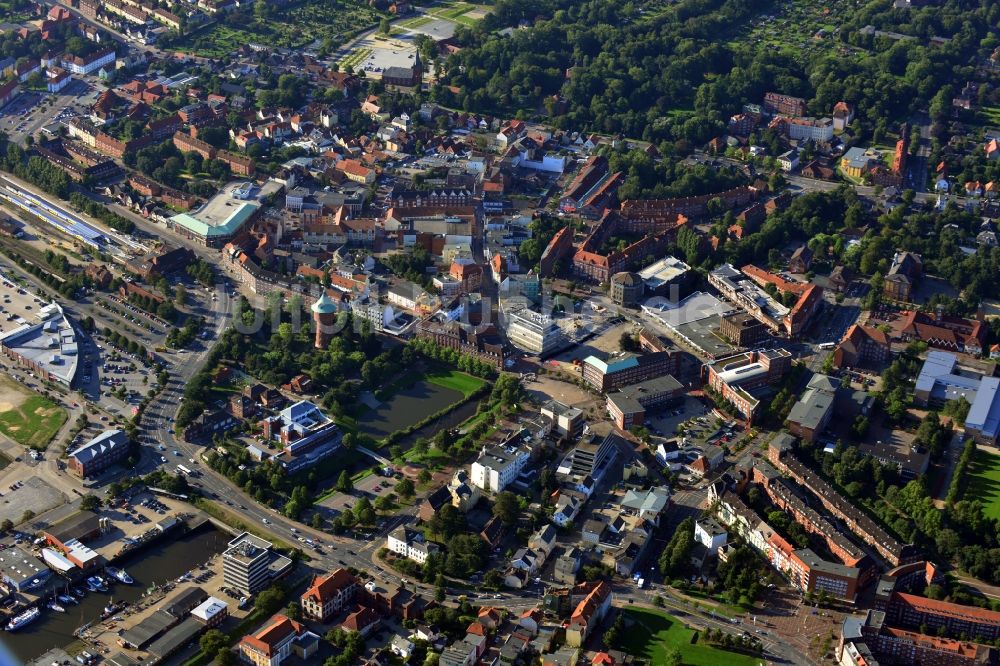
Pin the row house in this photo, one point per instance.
(188, 144)
(90, 63)
(239, 165)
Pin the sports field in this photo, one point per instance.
(655, 633)
(984, 482)
(26, 417)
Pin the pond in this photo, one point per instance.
(158, 563)
(405, 408)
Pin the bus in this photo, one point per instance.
(184, 470)
(828, 345)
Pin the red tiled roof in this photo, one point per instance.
(279, 628)
(945, 608)
(324, 587)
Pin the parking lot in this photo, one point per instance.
(18, 306)
(29, 494)
(381, 53)
(371, 486)
(664, 422)
(32, 111)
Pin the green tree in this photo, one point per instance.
(213, 641)
(506, 507)
(90, 503)
(269, 601)
(344, 483)
(405, 488)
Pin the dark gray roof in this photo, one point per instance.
(176, 638)
(181, 603)
(80, 523)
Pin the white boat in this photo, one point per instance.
(96, 584)
(66, 599)
(121, 575)
(54, 605)
(27, 617)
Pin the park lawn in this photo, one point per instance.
(655, 632)
(990, 115)
(34, 422)
(415, 22)
(455, 380)
(984, 482)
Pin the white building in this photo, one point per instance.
(57, 80)
(533, 332)
(498, 466)
(89, 64)
(709, 533)
(567, 507)
(370, 310)
(789, 161)
(809, 128)
(410, 544)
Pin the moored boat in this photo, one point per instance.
(121, 575)
(25, 618)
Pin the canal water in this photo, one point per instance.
(407, 407)
(158, 563)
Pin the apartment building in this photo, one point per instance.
(498, 466)
(803, 567)
(914, 611)
(786, 105)
(742, 329)
(589, 457)
(100, 453)
(781, 455)
(589, 612)
(865, 640)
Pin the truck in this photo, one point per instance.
(641, 583)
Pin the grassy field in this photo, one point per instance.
(457, 381)
(27, 418)
(990, 115)
(414, 22)
(355, 58)
(984, 482)
(654, 633)
(456, 12)
(295, 27)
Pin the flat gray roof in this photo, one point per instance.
(50, 343)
